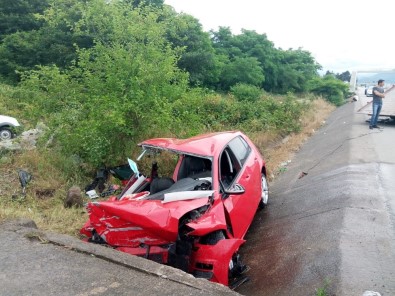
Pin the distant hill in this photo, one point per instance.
(389, 77)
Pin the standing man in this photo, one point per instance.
(378, 95)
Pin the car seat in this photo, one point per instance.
(159, 184)
(194, 167)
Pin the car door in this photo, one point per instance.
(238, 166)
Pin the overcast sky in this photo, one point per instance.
(341, 34)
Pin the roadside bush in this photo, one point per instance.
(246, 92)
(116, 93)
(332, 89)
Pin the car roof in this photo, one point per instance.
(203, 145)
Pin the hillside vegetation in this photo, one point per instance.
(104, 75)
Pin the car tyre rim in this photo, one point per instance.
(265, 190)
(5, 134)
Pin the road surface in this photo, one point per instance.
(330, 221)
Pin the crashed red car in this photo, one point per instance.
(194, 220)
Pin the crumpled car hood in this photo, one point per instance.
(139, 220)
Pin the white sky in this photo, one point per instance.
(341, 34)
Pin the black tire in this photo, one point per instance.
(6, 133)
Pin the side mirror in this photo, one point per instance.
(235, 189)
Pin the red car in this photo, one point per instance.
(194, 220)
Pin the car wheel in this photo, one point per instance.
(236, 268)
(5, 134)
(264, 194)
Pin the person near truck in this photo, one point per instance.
(378, 95)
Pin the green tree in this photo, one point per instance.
(223, 43)
(137, 3)
(283, 71)
(118, 91)
(331, 88)
(242, 70)
(345, 76)
(297, 68)
(20, 15)
(55, 42)
(198, 57)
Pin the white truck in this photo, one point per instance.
(7, 125)
(388, 109)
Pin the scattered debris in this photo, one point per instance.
(36, 235)
(73, 198)
(24, 179)
(26, 141)
(283, 166)
(92, 194)
(302, 174)
(285, 163)
(371, 293)
(45, 193)
(102, 175)
(122, 172)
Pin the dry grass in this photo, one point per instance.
(277, 149)
(45, 193)
(43, 202)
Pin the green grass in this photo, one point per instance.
(323, 290)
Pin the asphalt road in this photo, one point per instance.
(333, 228)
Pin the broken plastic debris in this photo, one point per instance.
(24, 179)
(133, 166)
(302, 174)
(371, 293)
(92, 194)
(285, 163)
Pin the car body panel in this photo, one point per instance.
(213, 220)
(8, 121)
(203, 145)
(213, 257)
(156, 218)
(242, 208)
(198, 221)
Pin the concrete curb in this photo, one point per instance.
(29, 229)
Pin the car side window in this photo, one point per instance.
(229, 167)
(241, 149)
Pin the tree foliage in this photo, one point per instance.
(332, 89)
(117, 89)
(50, 32)
(345, 76)
(106, 74)
(282, 71)
(55, 42)
(20, 15)
(198, 57)
(242, 70)
(246, 92)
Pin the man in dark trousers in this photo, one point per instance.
(378, 95)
